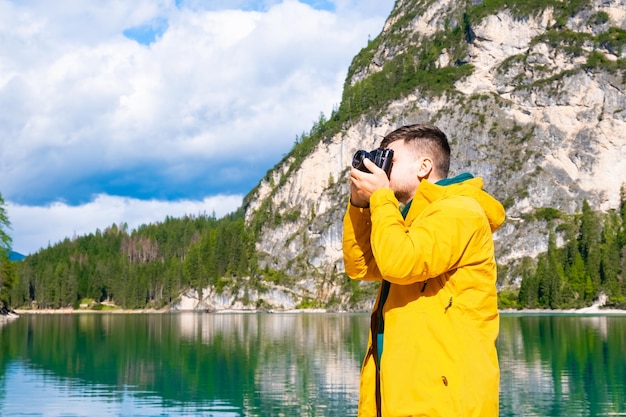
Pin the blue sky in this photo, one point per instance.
(114, 111)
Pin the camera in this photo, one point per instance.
(383, 158)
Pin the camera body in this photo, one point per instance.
(383, 158)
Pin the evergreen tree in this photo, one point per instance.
(7, 277)
(589, 243)
(556, 275)
(527, 297)
(577, 279)
(610, 256)
(622, 244)
(543, 276)
(622, 211)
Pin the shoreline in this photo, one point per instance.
(581, 312)
(19, 312)
(72, 311)
(586, 311)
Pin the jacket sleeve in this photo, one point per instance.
(358, 258)
(433, 244)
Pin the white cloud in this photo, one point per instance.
(85, 111)
(40, 226)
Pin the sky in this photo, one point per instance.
(115, 111)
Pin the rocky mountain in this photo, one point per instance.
(16, 256)
(531, 95)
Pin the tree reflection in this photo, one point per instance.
(562, 365)
(261, 364)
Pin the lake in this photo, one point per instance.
(286, 364)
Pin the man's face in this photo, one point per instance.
(404, 177)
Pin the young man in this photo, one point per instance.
(431, 350)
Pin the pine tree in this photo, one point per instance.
(527, 297)
(556, 275)
(7, 276)
(610, 255)
(589, 243)
(577, 278)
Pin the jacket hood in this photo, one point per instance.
(468, 186)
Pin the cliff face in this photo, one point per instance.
(540, 115)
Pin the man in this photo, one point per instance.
(431, 350)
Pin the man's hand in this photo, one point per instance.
(363, 184)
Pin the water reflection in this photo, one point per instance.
(44, 394)
(226, 365)
(247, 364)
(559, 365)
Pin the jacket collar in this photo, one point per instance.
(443, 182)
(455, 180)
(464, 184)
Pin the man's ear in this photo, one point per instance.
(425, 167)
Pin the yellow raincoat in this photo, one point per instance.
(440, 315)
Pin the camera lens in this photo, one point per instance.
(357, 160)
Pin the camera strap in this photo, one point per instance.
(378, 324)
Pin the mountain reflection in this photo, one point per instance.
(291, 364)
(259, 364)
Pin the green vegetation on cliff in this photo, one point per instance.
(590, 261)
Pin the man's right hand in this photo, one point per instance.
(363, 184)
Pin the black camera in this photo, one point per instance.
(383, 158)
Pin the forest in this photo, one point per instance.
(144, 268)
(151, 266)
(587, 264)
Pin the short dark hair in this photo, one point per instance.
(425, 138)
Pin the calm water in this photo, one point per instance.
(227, 365)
